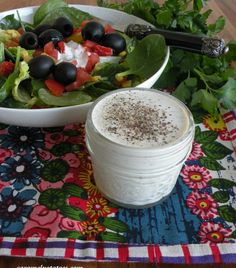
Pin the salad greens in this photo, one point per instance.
(68, 99)
(200, 82)
(145, 59)
(140, 61)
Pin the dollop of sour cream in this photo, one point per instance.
(74, 52)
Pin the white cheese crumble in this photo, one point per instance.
(74, 52)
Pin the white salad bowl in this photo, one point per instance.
(52, 117)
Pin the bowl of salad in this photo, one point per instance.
(56, 59)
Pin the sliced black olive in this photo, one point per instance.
(40, 66)
(65, 73)
(93, 31)
(63, 25)
(50, 35)
(41, 28)
(29, 40)
(114, 41)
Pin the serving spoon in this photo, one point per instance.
(210, 46)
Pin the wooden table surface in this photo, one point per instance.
(226, 8)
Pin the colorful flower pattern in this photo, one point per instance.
(21, 171)
(213, 233)
(214, 124)
(15, 207)
(196, 152)
(195, 177)
(205, 201)
(202, 205)
(47, 187)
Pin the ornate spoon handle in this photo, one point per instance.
(212, 47)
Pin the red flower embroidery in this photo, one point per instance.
(43, 216)
(37, 232)
(71, 225)
(72, 160)
(4, 153)
(202, 205)
(53, 138)
(196, 152)
(213, 233)
(195, 177)
(224, 135)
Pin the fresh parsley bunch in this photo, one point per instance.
(199, 81)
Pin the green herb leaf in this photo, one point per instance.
(164, 18)
(221, 196)
(206, 100)
(227, 94)
(148, 56)
(198, 4)
(68, 99)
(218, 26)
(45, 8)
(227, 213)
(216, 150)
(75, 15)
(205, 137)
(222, 183)
(9, 22)
(185, 89)
(210, 163)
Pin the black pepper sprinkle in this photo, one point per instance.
(135, 121)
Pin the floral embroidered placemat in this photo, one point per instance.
(50, 206)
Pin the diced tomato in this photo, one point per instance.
(6, 68)
(84, 22)
(82, 77)
(92, 60)
(103, 51)
(54, 87)
(89, 44)
(50, 50)
(109, 29)
(61, 46)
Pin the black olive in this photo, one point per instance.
(114, 41)
(40, 66)
(63, 25)
(93, 31)
(41, 28)
(65, 73)
(29, 40)
(50, 35)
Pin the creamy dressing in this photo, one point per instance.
(140, 118)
